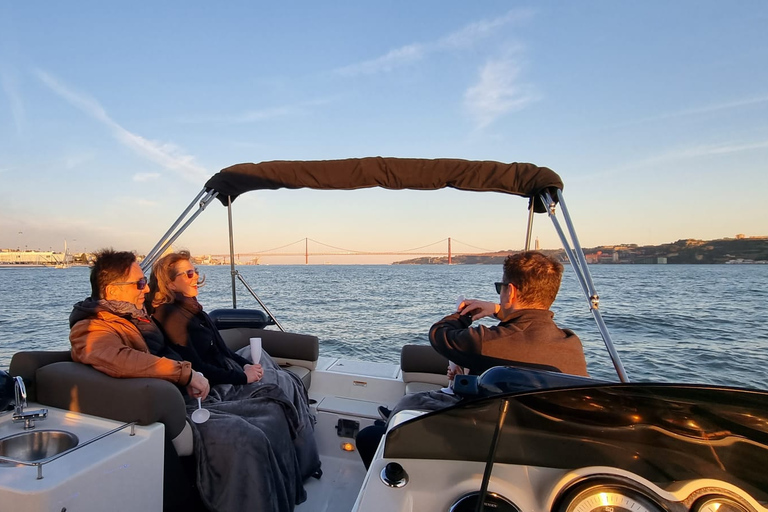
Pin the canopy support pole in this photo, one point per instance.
(579, 264)
(530, 228)
(232, 270)
(205, 198)
(236, 274)
(263, 306)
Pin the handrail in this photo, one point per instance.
(41, 462)
(165, 241)
(253, 294)
(579, 264)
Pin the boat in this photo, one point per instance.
(523, 440)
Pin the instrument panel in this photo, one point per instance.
(600, 492)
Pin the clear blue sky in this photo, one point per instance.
(112, 117)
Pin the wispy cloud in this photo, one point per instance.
(74, 161)
(265, 114)
(11, 90)
(145, 176)
(707, 150)
(165, 154)
(414, 52)
(707, 109)
(499, 90)
(678, 155)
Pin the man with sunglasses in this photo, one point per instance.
(526, 334)
(112, 332)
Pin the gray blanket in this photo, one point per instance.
(258, 445)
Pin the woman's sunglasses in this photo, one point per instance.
(190, 273)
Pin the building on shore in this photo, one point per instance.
(30, 258)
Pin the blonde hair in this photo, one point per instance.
(163, 274)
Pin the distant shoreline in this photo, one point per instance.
(752, 250)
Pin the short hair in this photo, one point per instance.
(110, 266)
(535, 275)
(162, 276)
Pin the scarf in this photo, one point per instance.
(151, 333)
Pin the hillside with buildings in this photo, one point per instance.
(741, 249)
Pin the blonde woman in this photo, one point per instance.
(260, 424)
(188, 330)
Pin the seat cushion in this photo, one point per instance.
(303, 373)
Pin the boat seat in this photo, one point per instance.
(422, 368)
(53, 379)
(297, 353)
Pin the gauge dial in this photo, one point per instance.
(719, 504)
(611, 498)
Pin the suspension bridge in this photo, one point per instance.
(441, 248)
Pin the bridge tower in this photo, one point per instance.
(449, 250)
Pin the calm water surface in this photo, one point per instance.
(672, 323)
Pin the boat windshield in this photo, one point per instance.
(664, 433)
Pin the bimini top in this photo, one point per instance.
(520, 179)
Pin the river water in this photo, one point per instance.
(670, 323)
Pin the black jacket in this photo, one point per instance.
(527, 337)
(190, 332)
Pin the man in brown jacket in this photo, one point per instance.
(526, 334)
(112, 332)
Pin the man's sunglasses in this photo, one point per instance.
(190, 273)
(140, 284)
(500, 286)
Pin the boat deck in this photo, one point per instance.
(337, 489)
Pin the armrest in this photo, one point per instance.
(81, 388)
(24, 364)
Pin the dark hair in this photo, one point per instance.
(109, 266)
(535, 275)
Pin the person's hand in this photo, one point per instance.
(198, 387)
(253, 372)
(478, 308)
(454, 370)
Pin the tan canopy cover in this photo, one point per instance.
(520, 179)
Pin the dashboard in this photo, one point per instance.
(603, 448)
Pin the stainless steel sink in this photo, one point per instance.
(37, 445)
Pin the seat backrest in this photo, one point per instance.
(25, 364)
(229, 318)
(286, 348)
(421, 363)
(53, 379)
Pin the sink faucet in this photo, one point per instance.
(28, 417)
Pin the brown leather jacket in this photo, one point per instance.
(114, 346)
(526, 336)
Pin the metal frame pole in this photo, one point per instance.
(579, 264)
(166, 242)
(151, 253)
(529, 231)
(233, 272)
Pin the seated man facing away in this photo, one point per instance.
(526, 333)
(525, 336)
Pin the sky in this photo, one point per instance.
(113, 116)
